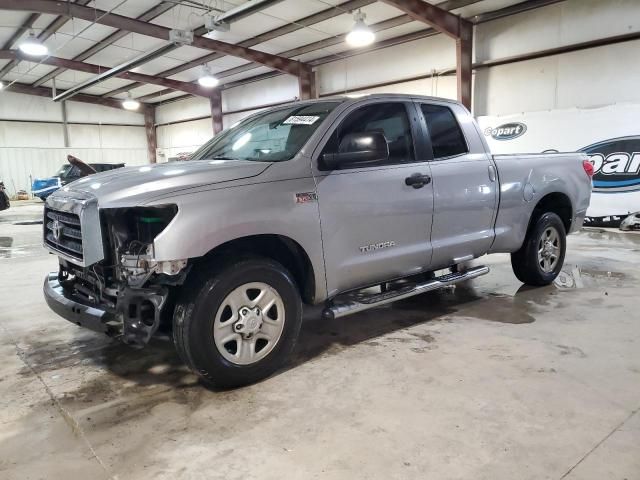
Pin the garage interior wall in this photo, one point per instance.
(32, 142)
(581, 79)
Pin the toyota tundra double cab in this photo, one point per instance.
(313, 202)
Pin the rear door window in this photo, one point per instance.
(447, 139)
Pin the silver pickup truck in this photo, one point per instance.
(320, 202)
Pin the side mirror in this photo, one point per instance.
(361, 149)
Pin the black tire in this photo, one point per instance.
(196, 307)
(525, 262)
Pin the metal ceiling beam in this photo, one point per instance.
(319, 45)
(263, 37)
(299, 24)
(54, 7)
(454, 26)
(28, 23)
(49, 30)
(64, 63)
(101, 77)
(48, 93)
(150, 14)
(338, 39)
(410, 37)
(435, 16)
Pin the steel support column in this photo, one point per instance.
(150, 131)
(456, 27)
(215, 100)
(307, 84)
(464, 63)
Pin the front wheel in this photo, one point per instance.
(540, 259)
(237, 324)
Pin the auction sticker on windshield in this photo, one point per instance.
(301, 120)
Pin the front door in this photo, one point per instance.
(464, 186)
(374, 226)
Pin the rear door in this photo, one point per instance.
(464, 186)
(374, 226)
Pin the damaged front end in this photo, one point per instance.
(126, 294)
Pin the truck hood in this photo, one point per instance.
(136, 185)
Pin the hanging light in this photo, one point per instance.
(130, 103)
(360, 35)
(208, 80)
(33, 46)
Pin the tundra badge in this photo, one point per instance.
(376, 246)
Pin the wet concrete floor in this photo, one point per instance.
(489, 380)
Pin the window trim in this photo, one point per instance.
(414, 126)
(427, 132)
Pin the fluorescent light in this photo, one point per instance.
(1, 85)
(360, 35)
(33, 46)
(208, 80)
(130, 103)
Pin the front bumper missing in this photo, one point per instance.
(83, 315)
(136, 319)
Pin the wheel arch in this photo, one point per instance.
(554, 202)
(284, 250)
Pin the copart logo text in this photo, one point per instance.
(616, 164)
(508, 131)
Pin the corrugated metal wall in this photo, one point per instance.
(32, 137)
(588, 78)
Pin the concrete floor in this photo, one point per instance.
(490, 380)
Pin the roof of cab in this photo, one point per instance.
(364, 96)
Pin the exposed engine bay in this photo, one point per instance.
(128, 283)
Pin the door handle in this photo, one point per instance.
(492, 173)
(417, 180)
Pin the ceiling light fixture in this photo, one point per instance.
(33, 46)
(1, 85)
(130, 103)
(208, 80)
(360, 35)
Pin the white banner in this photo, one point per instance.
(609, 135)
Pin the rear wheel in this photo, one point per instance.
(238, 324)
(540, 259)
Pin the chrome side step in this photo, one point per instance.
(355, 302)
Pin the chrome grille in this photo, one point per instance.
(63, 233)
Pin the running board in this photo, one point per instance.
(358, 301)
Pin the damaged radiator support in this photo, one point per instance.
(141, 310)
(127, 300)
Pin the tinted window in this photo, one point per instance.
(446, 137)
(388, 118)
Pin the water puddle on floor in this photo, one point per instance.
(577, 277)
(21, 246)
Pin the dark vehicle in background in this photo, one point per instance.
(4, 198)
(43, 187)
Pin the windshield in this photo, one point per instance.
(63, 171)
(271, 136)
(68, 171)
